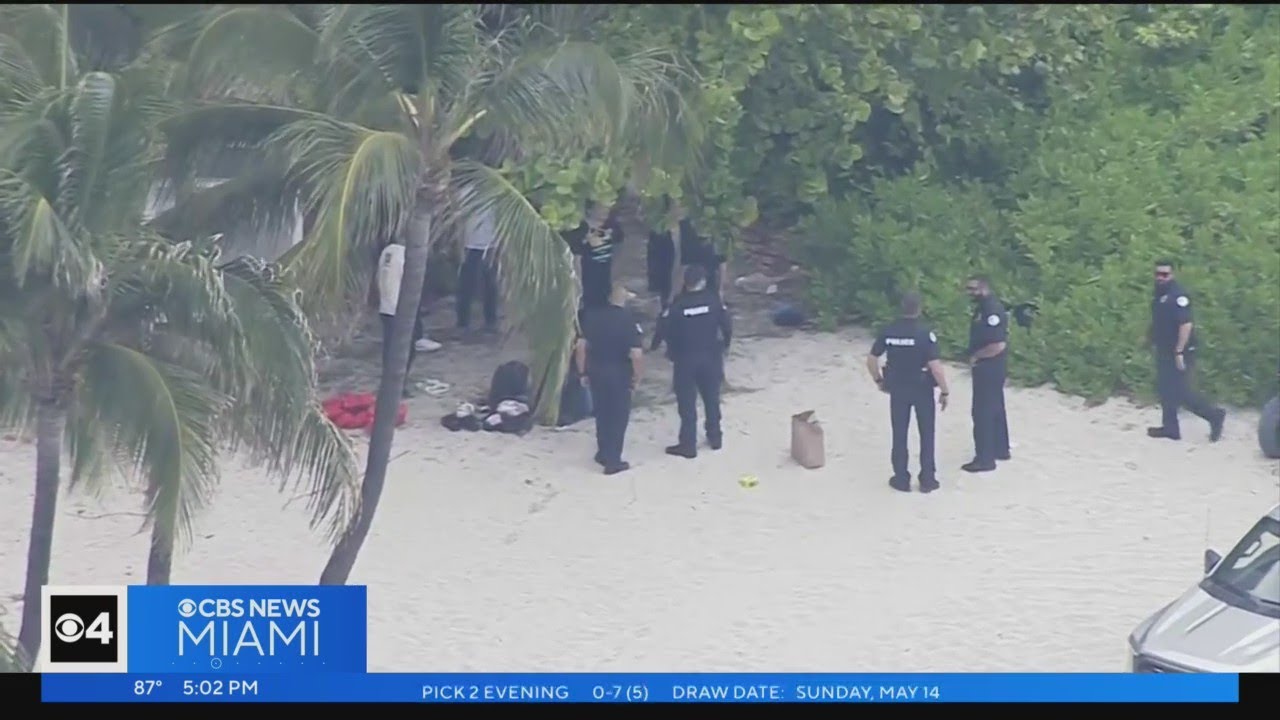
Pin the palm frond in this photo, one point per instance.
(93, 108)
(175, 288)
(244, 50)
(380, 51)
(254, 213)
(41, 243)
(219, 141)
(15, 396)
(11, 660)
(162, 425)
(361, 187)
(45, 32)
(537, 273)
(20, 79)
(277, 419)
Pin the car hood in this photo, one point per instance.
(1200, 632)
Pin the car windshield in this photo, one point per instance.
(1252, 568)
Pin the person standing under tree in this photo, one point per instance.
(479, 270)
(609, 360)
(697, 329)
(595, 250)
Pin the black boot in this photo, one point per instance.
(682, 451)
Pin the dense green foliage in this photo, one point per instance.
(1165, 147)
(1058, 148)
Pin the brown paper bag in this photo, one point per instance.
(807, 440)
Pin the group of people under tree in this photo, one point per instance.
(696, 326)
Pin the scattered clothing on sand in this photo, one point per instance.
(355, 411)
(506, 409)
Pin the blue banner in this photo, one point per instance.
(636, 688)
(247, 630)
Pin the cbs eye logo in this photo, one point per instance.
(187, 608)
(82, 629)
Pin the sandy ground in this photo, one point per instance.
(495, 553)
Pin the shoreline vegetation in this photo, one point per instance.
(1057, 149)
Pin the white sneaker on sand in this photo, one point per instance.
(426, 344)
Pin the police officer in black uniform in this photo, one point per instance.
(1172, 334)
(912, 371)
(608, 358)
(697, 330)
(988, 343)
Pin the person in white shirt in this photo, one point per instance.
(390, 273)
(479, 267)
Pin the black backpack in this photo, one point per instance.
(510, 382)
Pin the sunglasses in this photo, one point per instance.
(1163, 273)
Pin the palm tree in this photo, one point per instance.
(358, 111)
(121, 348)
(10, 660)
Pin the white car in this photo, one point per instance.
(1229, 622)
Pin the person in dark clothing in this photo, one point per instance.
(1173, 337)
(609, 359)
(913, 370)
(479, 270)
(988, 342)
(660, 259)
(596, 250)
(697, 329)
(694, 250)
(698, 250)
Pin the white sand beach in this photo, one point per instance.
(497, 553)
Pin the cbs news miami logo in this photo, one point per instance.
(85, 629)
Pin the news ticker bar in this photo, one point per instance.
(640, 688)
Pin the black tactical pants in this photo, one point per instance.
(1176, 390)
(990, 426)
(694, 377)
(901, 403)
(611, 395)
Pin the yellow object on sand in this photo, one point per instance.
(748, 481)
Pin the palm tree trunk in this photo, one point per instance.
(417, 246)
(50, 422)
(160, 558)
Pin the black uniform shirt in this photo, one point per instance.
(1170, 308)
(698, 250)
(597, 261)
(990, 324)
(696, 325)
(611, 333)
(911, 345)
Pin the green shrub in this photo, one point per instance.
(1112, 185)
